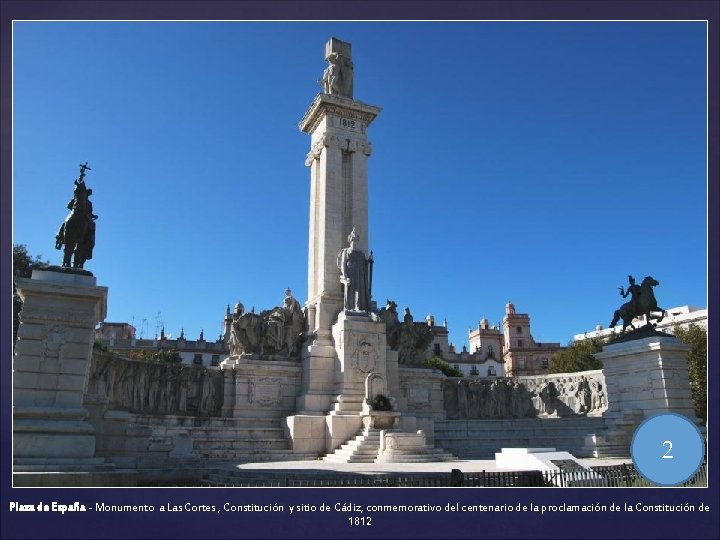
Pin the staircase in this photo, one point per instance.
(365, 447)
(480, 439)
(225, 439)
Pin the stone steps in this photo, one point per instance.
(428, 454)
(169, 420)
(362, 449)
(221, 439)
(365, 447)
(480, 439)
(250, 456)
(201, 445)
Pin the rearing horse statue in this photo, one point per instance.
(74, 233)
(647, 306)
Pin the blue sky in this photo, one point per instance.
(538, 163)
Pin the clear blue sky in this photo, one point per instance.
(538, 163)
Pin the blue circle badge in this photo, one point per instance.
(667, 449)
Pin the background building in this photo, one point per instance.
(120, 337)
(493, 353)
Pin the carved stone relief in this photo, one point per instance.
(564, 395)
(264, 391)
(156, 388)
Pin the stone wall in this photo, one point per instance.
(421, 392)
(260, 388)
(155, 388)
(560, 394)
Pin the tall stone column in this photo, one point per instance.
(339, 149)
(338, 197)
(51, 366)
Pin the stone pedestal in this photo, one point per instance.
(648, 375)
(643, 378)
(51, 366)
(337, 380)
(360, 345)
(259, 388)
(318, 363)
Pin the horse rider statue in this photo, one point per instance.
(634, 291)
(77, 232)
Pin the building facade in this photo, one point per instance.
(121, 338)
(495, 353)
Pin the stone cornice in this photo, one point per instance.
(324, 104)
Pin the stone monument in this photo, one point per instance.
(645, 370)
(345, 342)
(339, 150)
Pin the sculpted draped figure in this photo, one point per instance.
(338, 76)
(355, 275)
(277, 331)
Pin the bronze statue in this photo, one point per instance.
(77, 232)
(634, 291)
(643, 302)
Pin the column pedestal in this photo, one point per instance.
(643, 378)
(50, 369)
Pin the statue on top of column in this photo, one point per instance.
(77, 232)
(338, 76)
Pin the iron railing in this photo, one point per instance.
(625, 475)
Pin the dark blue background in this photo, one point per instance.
(333, 524)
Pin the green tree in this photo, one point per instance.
(579, 356)
(23, 265)
(438, 363)
(160, 355)
(696, 337)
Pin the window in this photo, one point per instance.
(491, 371)
(520, 342)
(215, 360)
(474, 371)
(519, 329)
(521, 363)
(436, 348)
(544, 362)
(198, 359)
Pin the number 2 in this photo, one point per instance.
(667, 454)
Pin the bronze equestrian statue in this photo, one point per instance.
(77, 232)
(643, 302)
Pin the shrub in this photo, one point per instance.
(438, 363)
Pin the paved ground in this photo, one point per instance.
(476, 465)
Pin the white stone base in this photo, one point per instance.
(540, 459)
(643, 378)
(51, 363)
(649, 375)
(306, 433)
